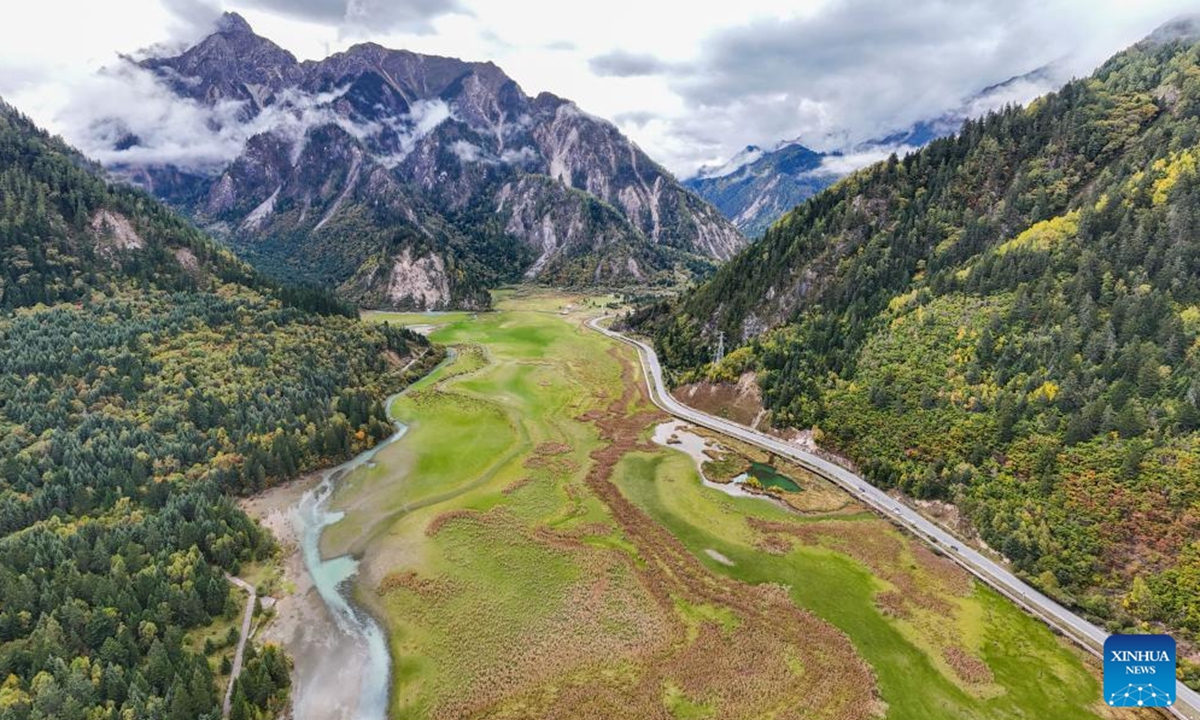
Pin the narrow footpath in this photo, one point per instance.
(247, 618)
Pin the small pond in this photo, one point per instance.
(768, 477)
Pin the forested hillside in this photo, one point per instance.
(145, 374)
(1008, 319)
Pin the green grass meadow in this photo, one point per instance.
(487, 617)
(1041, 677)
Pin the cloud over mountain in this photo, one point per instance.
(128, 115)
(690, 87)
(857, 69)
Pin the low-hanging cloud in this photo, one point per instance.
(859, 69)
(126, 106)
(466, 151)
(193, 19)
(127, 115)
(519, 157)
(847, 162)
(423, 118)
(636, 117)
(832, 76)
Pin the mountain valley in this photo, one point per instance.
(370, 386)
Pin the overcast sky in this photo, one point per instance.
(691, 82)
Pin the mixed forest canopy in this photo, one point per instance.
(146, 376)
(1009, 320)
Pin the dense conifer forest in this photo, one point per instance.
(146, 377)
(1008, 320)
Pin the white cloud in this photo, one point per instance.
(126, 115)
(415, 16)
(466, 152)
(133, 102)
(519, 157)
(620, 63)
(423, 118)
(425, 115)
(690, 87)
(860, 69)
(848, 162)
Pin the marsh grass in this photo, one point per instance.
(534, 555)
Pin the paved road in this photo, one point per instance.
(1083, 632)
(241, 646)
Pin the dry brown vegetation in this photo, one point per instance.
(922, 583)
(743, 671)
(549, 456)
(968, 667)
(426, 588)
(552, 448)
(612, 641)
(518, 484)
(600, 617)
(435, 526)
(773, 544)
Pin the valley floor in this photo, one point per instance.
(533, 553)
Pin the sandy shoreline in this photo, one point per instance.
(324, 682)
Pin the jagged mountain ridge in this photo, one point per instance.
(371, 156)
(754, 194)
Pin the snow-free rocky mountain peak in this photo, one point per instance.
(410, 180)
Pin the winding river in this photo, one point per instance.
(359, 641)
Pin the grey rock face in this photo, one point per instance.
(231, 64)
(760, 186)
(373, 153)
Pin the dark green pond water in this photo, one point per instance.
(770, 477)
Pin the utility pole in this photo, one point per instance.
(719, 355)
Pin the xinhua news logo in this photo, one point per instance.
(1139, 670)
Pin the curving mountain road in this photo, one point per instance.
(1089, 636)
